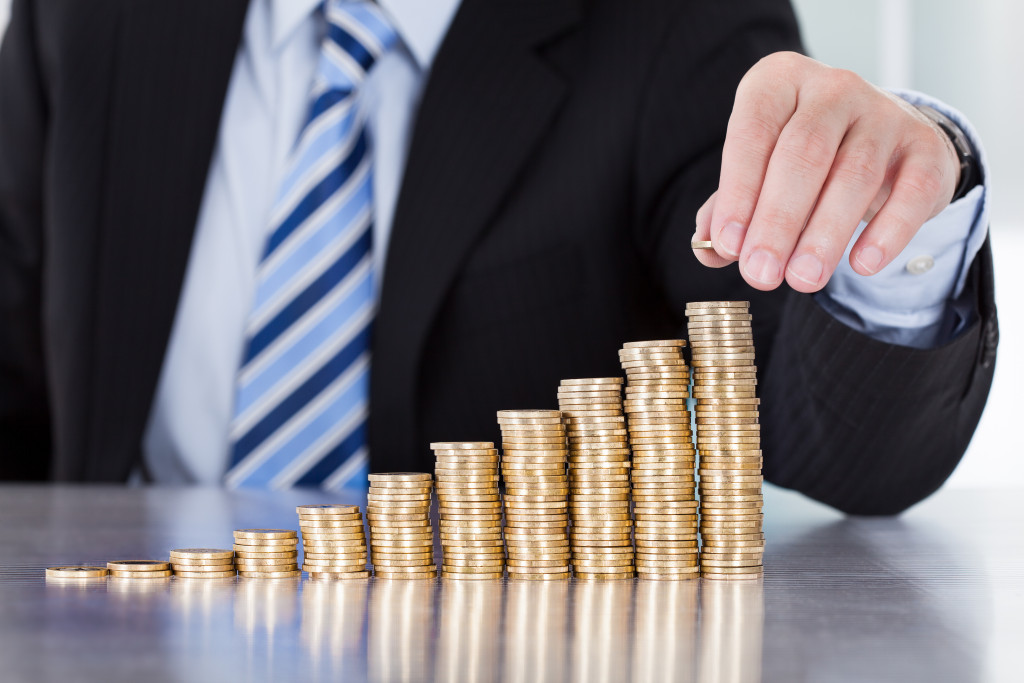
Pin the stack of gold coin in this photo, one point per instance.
(600, 532)
(267, 553)
(469, 509)
(728, 439)
(203, 563)
(664, 500)
(139, 569)
(536, 501)
(77, 573)
(333, 541)
(401, 536)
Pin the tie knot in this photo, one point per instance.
(358, 33)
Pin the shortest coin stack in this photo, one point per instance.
(203, 563)
(139, 569)
(77, 572)
(267, 553)
(333, 541)
(401, 537)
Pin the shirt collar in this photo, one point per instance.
(421, 24)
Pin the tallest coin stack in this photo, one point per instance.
(728, 439)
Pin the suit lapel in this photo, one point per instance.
(174, 61)
(488, 103)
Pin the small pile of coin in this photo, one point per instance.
(728, 439)
(601, 528)
(469, 509)
(203, 563)
(536, 493)
(664, 501)
(267, 553)
(139, 569)
(76, 573)
(401, 536)
(333, 541)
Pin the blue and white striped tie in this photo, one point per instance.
(303, 386)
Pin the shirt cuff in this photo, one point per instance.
(910, 301)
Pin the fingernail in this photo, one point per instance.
(870, 258)
(731, 238)
(807, 268)
(764, 267)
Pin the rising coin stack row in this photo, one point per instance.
(401, 536)
(600, 534)
(469, 510)
(333, 541)
(728, 439)
(267, 553)
(664, 500)
(534, 454)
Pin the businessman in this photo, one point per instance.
(281, 242)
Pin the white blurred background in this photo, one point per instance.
(968, 54)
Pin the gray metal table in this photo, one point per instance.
(933, 596)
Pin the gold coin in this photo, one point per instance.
(265, 542)
(224, 574)
(175, 564)
(148, 576)
(460, 445)
(330, 524)
(262, 534)
(263, 556)
(384, 478)
(326, 576)
(641, 536)
(590, 380)
(201, 554)
(354, 555)
(137, 565)
(469, 570)
(525, 576)
(334, 567)
(76, 572)
(256, 566)
(327, 510)
(271, 575)
(430, 574)
(201, 562)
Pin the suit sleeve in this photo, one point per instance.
(864, 426)
(24, 415)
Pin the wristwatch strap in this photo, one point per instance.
(969, 170)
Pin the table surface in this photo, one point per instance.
(935, 595)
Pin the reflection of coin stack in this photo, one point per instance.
(401, 537)
(663, 459)
(203, 563)
(728, 439)
(139, 569)
(468, 644)
(469, 510)
(601, 532)
(536, 493)
(731, 632)
(601, 646)
(537, 632)
(267, 553)
(665, 631)
(333, 541)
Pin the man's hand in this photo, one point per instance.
(810, 151)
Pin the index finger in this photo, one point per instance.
(760, 112)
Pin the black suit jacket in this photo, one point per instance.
(561, 150)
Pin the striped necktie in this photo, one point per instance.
(303, 386)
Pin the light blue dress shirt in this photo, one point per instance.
(186, 439)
